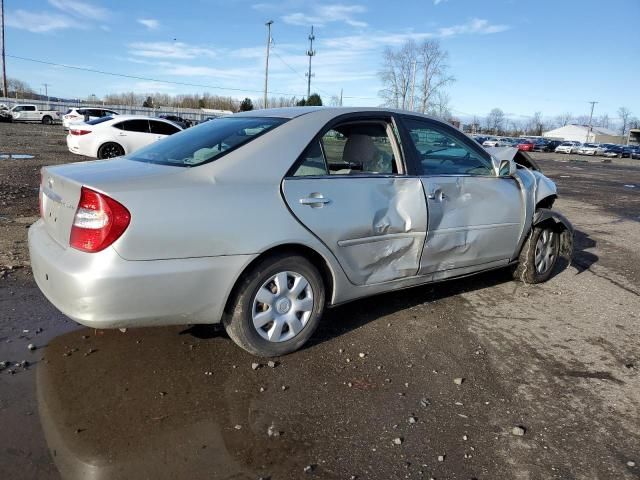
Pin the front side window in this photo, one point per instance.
(206, 142)
(354, 148)
(30, 108)
(443, 153)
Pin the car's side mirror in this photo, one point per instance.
(506, 168)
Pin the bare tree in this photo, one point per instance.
(624, 113)
(432, 61)
(602, 121)
(334, 101)
(582, 120)
(422, 67)
(440, 105)
(495, 121)
(537, 124)
(475, 124)
(396, 75)
(564, 119)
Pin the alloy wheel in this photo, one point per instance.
(545, 251)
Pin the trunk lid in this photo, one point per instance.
(61, 185)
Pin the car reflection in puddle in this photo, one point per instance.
(152, 404)
(15, 156)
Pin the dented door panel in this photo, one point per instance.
(375, 226)
(473, 221)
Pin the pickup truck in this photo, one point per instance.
(30, 113)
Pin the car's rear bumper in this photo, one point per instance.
(102, 290)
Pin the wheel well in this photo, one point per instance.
(546, 202)
(310, 254)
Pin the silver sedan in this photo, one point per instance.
(262, 219)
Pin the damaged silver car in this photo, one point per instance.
(262, 219)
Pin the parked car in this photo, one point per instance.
(31, 113)
(109, 137)
(496, 142)
(184, 123)
(262, 219)
(546, 145)
(591, 149)
(619, 151)
(525, 145)
(75, 115)
(568, 147)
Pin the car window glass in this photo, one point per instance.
(96, 121)
(30, 108)
(207, 141)
(141, 126)
(312, 161)
(162, 128)
(359, 148)
(443, 153)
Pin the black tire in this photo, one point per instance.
(47, 120)
(238, 319)
(527, 270)
(110, 150)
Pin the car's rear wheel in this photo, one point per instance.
(110, 150)
(47, 120)
(538, 256)
(277, 305)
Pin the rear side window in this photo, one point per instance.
(96, 121)
(141, 126)
(162, 128)
(206, 142)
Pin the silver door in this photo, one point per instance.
(375, 226)
(473, 221)
(350, 191)
(475, 217)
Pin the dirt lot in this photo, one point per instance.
(560, 360)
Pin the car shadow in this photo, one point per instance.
(582, 259)
(344, 318)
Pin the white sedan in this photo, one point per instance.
(496, 142)
(109, 137)
(79, 115)
(568, 147)
(591, 149)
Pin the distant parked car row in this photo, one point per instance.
(558, 146)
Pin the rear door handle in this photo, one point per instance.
(315, 200)
(437, 194)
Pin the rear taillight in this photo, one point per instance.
(79, 132)
(99, 221)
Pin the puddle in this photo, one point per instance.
(15, 156)
(630, 186)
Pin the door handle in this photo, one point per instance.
(437, 194)
(315, 200)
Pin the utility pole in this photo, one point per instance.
(266, 67)
(311, 52)
(4, 59)
(46, 91)
(341, 96)
(593, 104)
(413, 84)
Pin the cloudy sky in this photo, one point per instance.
(520, 55)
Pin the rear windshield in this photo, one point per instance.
(206, 142)
(96, 121)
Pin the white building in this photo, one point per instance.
(581, 133)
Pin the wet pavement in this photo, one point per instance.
(426, 382)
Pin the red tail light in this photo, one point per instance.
(79, 132)
(99, 221)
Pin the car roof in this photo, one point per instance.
(293, 112)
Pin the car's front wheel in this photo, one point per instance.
(277, 305)
(538, 256)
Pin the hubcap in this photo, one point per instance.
(545, 251)
(282, 306)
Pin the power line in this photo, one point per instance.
(136, 77)
(170, 82)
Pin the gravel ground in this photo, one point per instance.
(477, 378)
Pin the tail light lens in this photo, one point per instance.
(79, 132)
(99, 221)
